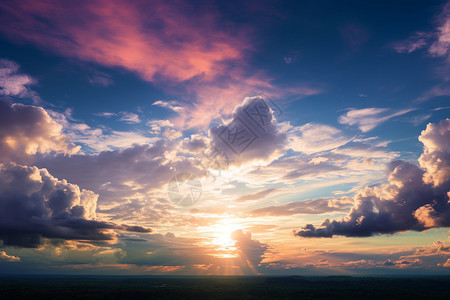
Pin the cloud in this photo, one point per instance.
(127, 117)
(436, 43)
(413, 199)
(36, 205)
(130, 179)
(315, 137)
(172, 105)
(251, 250)
(4, 257)
(194, 144)
(256, 196)
(200, 59)
(438, 248)
(365, 150)
(416, 41)
(368, 118)
(105, 114)
(130, 118)
(152, 38)
(252, 135)
(100, 79)
(212, 100)
(441, 46)
(310, 206)
(27, 130)
(97, 139)
(436, 152)
(436, 91)
(13, 83)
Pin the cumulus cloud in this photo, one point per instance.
(252, 135)
(413, 198)
(27, 130)
(35, 205)
(4, 257)
(436, 152)
(368, 118)
(251, 250)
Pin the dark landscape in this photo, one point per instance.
(226, 287)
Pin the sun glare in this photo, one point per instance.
(219, 236)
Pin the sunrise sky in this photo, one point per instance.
(313, 137)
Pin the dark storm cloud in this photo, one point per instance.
(36, 205)
(414, 198)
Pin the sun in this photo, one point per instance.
(219, 236)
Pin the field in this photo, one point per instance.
(117, 287)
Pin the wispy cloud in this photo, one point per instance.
(121, 34)
(368, 118)
(315, 137)
(129, 117)
(416, 41)
(170, 104)
(14, 83)
(100, 79)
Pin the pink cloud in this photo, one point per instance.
(174, 41)
(187, 50)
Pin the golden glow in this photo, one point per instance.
(219, 237)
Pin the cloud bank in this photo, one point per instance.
(35, 205)
(413, 199)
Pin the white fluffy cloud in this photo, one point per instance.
(436, 152)
(27, 130)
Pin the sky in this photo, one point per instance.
(224, 138)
